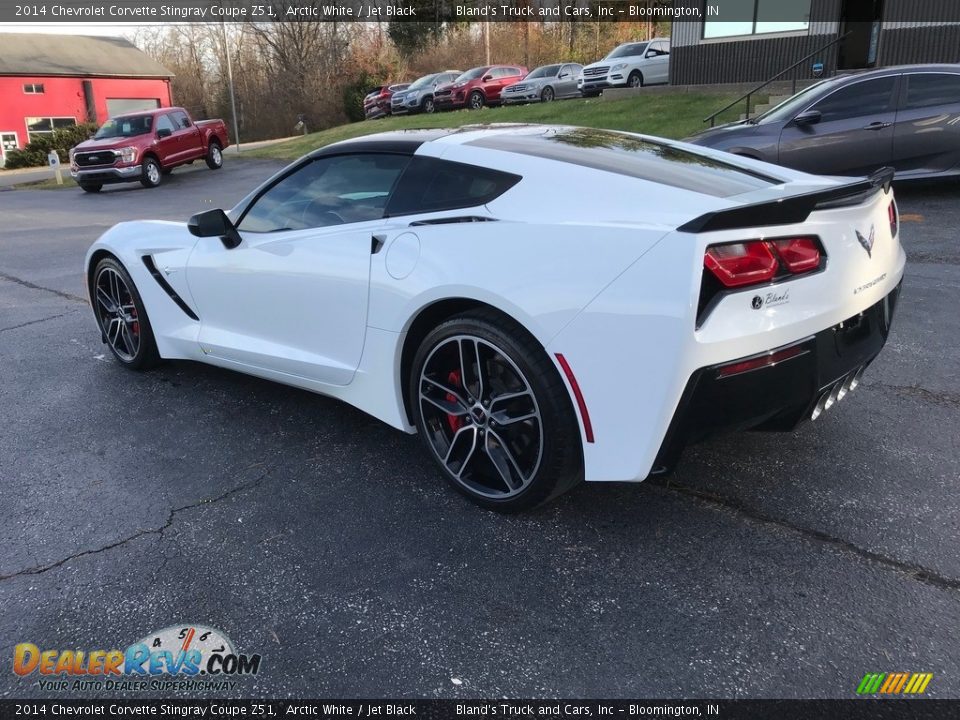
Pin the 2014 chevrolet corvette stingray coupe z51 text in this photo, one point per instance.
(431, 279)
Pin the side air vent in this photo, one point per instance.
(162, 282)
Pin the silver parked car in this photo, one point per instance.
(546, 83)
(906, 117)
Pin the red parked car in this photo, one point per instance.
(478, 87)
(377, 102)
(145, 146)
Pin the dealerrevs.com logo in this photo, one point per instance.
(179, 657)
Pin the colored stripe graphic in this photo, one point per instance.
(894, 683)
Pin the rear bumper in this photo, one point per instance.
(106, 175)
(781, 396)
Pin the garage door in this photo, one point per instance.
(119, 106)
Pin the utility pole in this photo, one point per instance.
(233, 100)
(486, 39)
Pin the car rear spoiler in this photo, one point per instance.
(791, 210)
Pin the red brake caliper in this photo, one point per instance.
(136, 323)
(455, 421)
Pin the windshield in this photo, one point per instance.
(789, 108)
(422, 82)
(125, 127)
(542, 72)
(472, 74)
(627, 51)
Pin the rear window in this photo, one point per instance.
(634, 157)
(429, 185)
(932, 89)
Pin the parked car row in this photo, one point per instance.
(629, 65)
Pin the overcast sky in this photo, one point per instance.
(76, 28)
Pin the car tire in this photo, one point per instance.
(91, 187)
(635, 80)
(428, 105)
(214, 156)
(494, 413)
(122, 316)
(151, 174)
(547, 95)
(476, 100)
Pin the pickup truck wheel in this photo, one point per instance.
(214, 156)
(91, 187)
(151, 174)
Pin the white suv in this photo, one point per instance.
(628, 65)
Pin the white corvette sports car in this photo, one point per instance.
(542, 304)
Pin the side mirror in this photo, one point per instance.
(808, 117)
(214, 223)
(164, 132)
(650, 53)
(487, 78)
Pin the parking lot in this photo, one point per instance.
(767, 566)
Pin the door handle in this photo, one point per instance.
(877, 125)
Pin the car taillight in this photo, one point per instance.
(893, 217)
(759, 261)
(798, 254)
(739, 264)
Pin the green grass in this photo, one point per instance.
(48, 184)
(671, 115)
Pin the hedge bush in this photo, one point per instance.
(35, 153)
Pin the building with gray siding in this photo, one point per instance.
(881, 33)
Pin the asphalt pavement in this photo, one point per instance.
(768, 565)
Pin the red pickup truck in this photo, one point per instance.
(145, 146)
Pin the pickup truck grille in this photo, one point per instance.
(594, 72)
(92, 159)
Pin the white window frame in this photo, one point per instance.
(26, 124)
(33, 88)
(753, 34)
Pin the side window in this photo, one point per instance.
(862, 98)
(164, 123)
(931, 89)
(180, 119)
(511, 72)
(429, 185)
(499, 73)
(327, 191)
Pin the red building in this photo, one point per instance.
(53, 81)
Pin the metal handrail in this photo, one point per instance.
(713, 118)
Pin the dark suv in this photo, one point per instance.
(478, 87)
(419, 96)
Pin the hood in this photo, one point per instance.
(731, 130)
(536, 82)
(110, 143)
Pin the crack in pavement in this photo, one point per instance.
(917, 572)
(947, 399)
(143, 533)
(33, 322)
(32, 286)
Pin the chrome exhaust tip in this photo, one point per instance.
(857, 377)
(820, 406)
